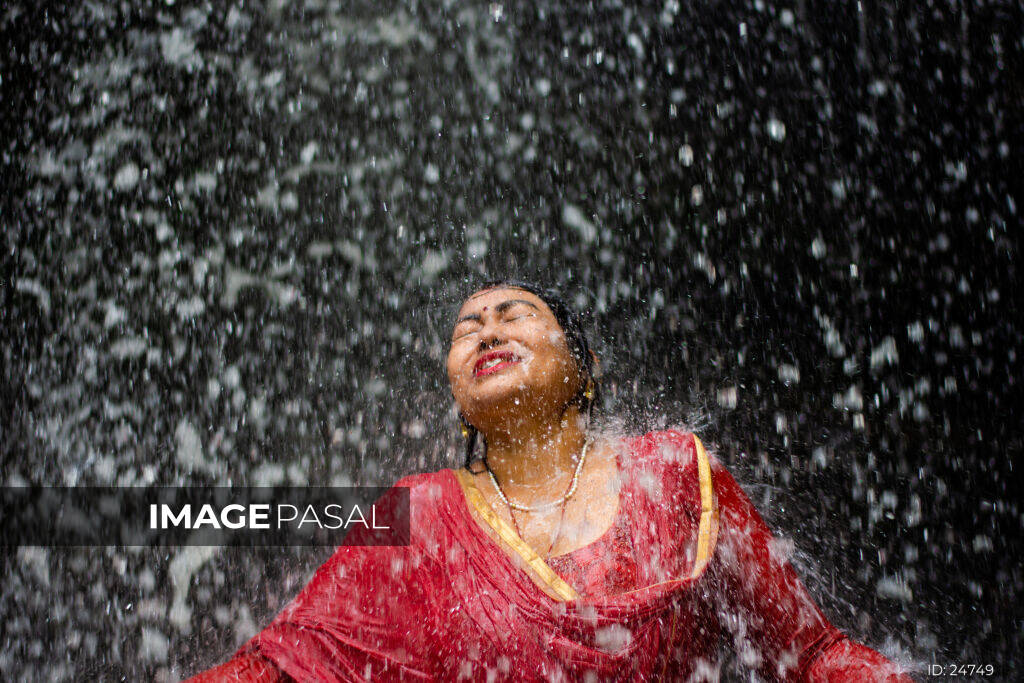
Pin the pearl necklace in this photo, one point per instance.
(545, 506)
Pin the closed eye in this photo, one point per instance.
(507, 320)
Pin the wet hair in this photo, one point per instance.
(576, 339)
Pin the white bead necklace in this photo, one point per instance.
(545, 506)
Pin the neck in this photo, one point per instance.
(539, 458)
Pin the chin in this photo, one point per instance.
(495, 401)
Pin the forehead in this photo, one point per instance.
(495, 295)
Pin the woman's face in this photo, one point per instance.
(509, 358)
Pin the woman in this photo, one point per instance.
(558, 553)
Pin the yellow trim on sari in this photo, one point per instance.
(557, 584)
(707, 528)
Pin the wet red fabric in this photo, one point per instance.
(608, 566)
(453, 605)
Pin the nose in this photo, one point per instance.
(490, 333)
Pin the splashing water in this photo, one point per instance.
(236, 238)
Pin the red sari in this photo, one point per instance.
(687, 556)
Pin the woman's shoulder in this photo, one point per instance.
(418, 480)
(425, 487)
(668, 447)
(677, 455)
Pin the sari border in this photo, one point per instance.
(707, 529)
(507, 534)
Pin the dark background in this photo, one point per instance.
(235, 237)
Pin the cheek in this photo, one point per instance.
(458, 365)
(554, 363)
(556, 341)
(559, 350)
(452, 367)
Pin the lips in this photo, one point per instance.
(486, 365)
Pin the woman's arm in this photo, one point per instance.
(778, 628)
(368, 613)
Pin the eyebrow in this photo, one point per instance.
(500, 308)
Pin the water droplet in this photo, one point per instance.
(776, 129)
